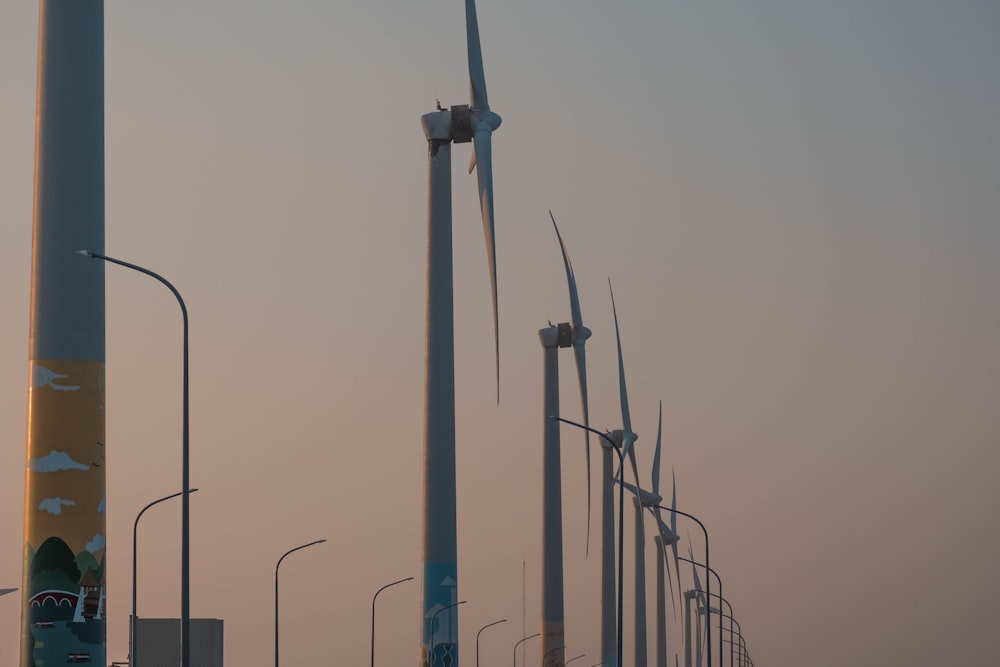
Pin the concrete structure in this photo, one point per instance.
(159, 642)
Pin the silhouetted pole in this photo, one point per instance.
(616, 448)
(710, 595)
(135, 565)
(276, 567)
(708, 580)
(373, 612)
(185, 463)
(521, 641)
(488, 625)
(434, 618)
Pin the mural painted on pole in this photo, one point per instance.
(440, 636)
(64, 526)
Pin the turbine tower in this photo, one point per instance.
(439, 554)
(64, 519)
(552, 338)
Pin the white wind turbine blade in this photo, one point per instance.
(484, 122)
(673, 528)
(477, 77)
(628, 435)
(580, 336)
(666, 537)
(656, 452)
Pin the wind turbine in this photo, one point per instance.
(459, 124)
(628, 438)
(650, 500)
(552, 338)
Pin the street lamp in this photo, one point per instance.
(185, 463)
(731, 621)
(521, 641)
(615, 447)
(276, 593)
(708, 580)
(711, 595)
(434, 618)
(488, 625)
(373, 612)
(135, 561)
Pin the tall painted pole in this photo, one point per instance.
(552, 630)
(64, 516)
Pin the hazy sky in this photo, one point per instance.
(799, 206)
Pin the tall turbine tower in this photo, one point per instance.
(554, 337)
(64, 521)
(440, 567)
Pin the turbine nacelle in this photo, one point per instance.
(646, 498)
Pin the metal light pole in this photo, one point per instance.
(185, 464)
(708, 580)
(731, 619)
(521, 641)
(276, 593)
(616, 448)
(488, 625)
(434, 618)
(135, 561)
(711, 595)
(373, 612)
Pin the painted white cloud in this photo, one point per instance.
(95, 544)
(55, 505)
(54, 461)
(100, 505)
(44, 377)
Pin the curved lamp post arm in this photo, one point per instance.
(488, 625)
(719, 579)
(621, 520)
(708, 580)
(373, 612)
(276, 567)
(135, 565)
(185, 463)
(521, 641)
(434, 618)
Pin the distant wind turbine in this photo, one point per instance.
(552, 338)
(650, 501)
(458, 124)
(627, 438)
